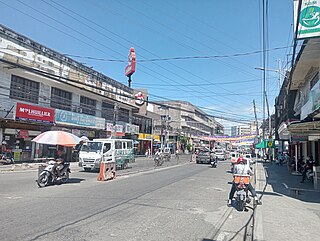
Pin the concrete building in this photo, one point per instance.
(42, 89)
(181, 118)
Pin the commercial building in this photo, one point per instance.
(181, 118)
(42, 90)
(297, 105)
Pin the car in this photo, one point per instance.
(249, 158)
(220, 154)
(204, 156)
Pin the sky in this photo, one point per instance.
(201, 51)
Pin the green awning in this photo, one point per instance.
(265, 144)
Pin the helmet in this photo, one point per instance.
(241, 160)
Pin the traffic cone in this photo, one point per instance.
(102, 173)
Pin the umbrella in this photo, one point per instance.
(61, 138)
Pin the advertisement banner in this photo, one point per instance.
(75, 119)
(34, 113)
(309, 18)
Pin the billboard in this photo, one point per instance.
(34, 113)
(309, 19)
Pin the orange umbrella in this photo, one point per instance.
(61, 138)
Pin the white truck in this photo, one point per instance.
(120, 151)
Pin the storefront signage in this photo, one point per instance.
(131, 67)
(23, 134)
(75, 119)
(117, 129)
(309, 18)
(34, 113)
(139, 98)
(132, 129)
(296, 138)
(144, 136)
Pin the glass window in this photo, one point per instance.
(24, 89)
(129, 145)
(106, 147)
(88, 105)
(118, 144)
(107, 111)
(61, 99)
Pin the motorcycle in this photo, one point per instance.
(242, 182)
(214, 162)
(158, 160)
(6, 159)
(48, 175)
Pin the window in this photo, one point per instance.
(61, 99)
(123, 115)
(88, 105)
(24, 89)
(129, 145)
(118, 144)
(107, 111)
(106, 147)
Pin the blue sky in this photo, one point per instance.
(222, 85)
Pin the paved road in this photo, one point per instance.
(183, 202)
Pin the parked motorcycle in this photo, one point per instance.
(242, 182)
(48, 175)
(214, 162)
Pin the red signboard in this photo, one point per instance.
(131, 67)
(34, 113)
(23, 134)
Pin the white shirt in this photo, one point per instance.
(242, 169)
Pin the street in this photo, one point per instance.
(178, 202)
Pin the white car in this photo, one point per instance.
(220, 154)
(249, 159)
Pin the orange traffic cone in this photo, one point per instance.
(102, 173)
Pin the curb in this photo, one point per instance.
(261, 183)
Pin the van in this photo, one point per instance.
(234, 156)
(120, 151)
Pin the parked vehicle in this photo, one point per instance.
(205, 156)
(48, 175)
(242, 182)
(120, 151)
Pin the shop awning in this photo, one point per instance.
(265, 144)
(306, 128)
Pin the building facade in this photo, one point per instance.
(42, 90)
(181, 118)
(297, 119)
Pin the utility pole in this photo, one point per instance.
(255, 116)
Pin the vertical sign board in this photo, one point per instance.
(309, 18)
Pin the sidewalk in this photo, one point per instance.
(285, 215)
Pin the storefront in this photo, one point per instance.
(147, 143)
(29, 121)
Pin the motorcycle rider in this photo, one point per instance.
(308, 166)
(242, 169)
(60, 156)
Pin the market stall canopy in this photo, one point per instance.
(265, 144)
(61, 138)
